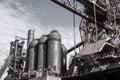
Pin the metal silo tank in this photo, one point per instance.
(54, 52)
(29, 39)
(42, 55)
(32, 55)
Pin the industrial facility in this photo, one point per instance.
(45, 58)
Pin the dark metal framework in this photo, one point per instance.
(46, 57)
(100, 29)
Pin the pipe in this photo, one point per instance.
(74, 47)
(29, 39)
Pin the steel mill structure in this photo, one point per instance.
(46, 57)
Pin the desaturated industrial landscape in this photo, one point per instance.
(45, 57)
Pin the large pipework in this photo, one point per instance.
(42, 53)
(54, 52)
(32, 55)
(29, 39)
(74, 47)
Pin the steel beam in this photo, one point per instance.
(89, 4)
(78, 12)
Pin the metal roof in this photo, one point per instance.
(95, 47)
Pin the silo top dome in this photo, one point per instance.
(54, 35)
(43, 39)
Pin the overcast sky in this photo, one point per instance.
(17, 16)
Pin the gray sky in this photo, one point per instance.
(48, 12)
(17, 16)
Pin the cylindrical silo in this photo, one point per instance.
(32, 55)
(42, 55)
(54, 52)
(29, 39)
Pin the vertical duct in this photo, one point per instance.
(29, 39)
(42, 54)
(54, 53)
